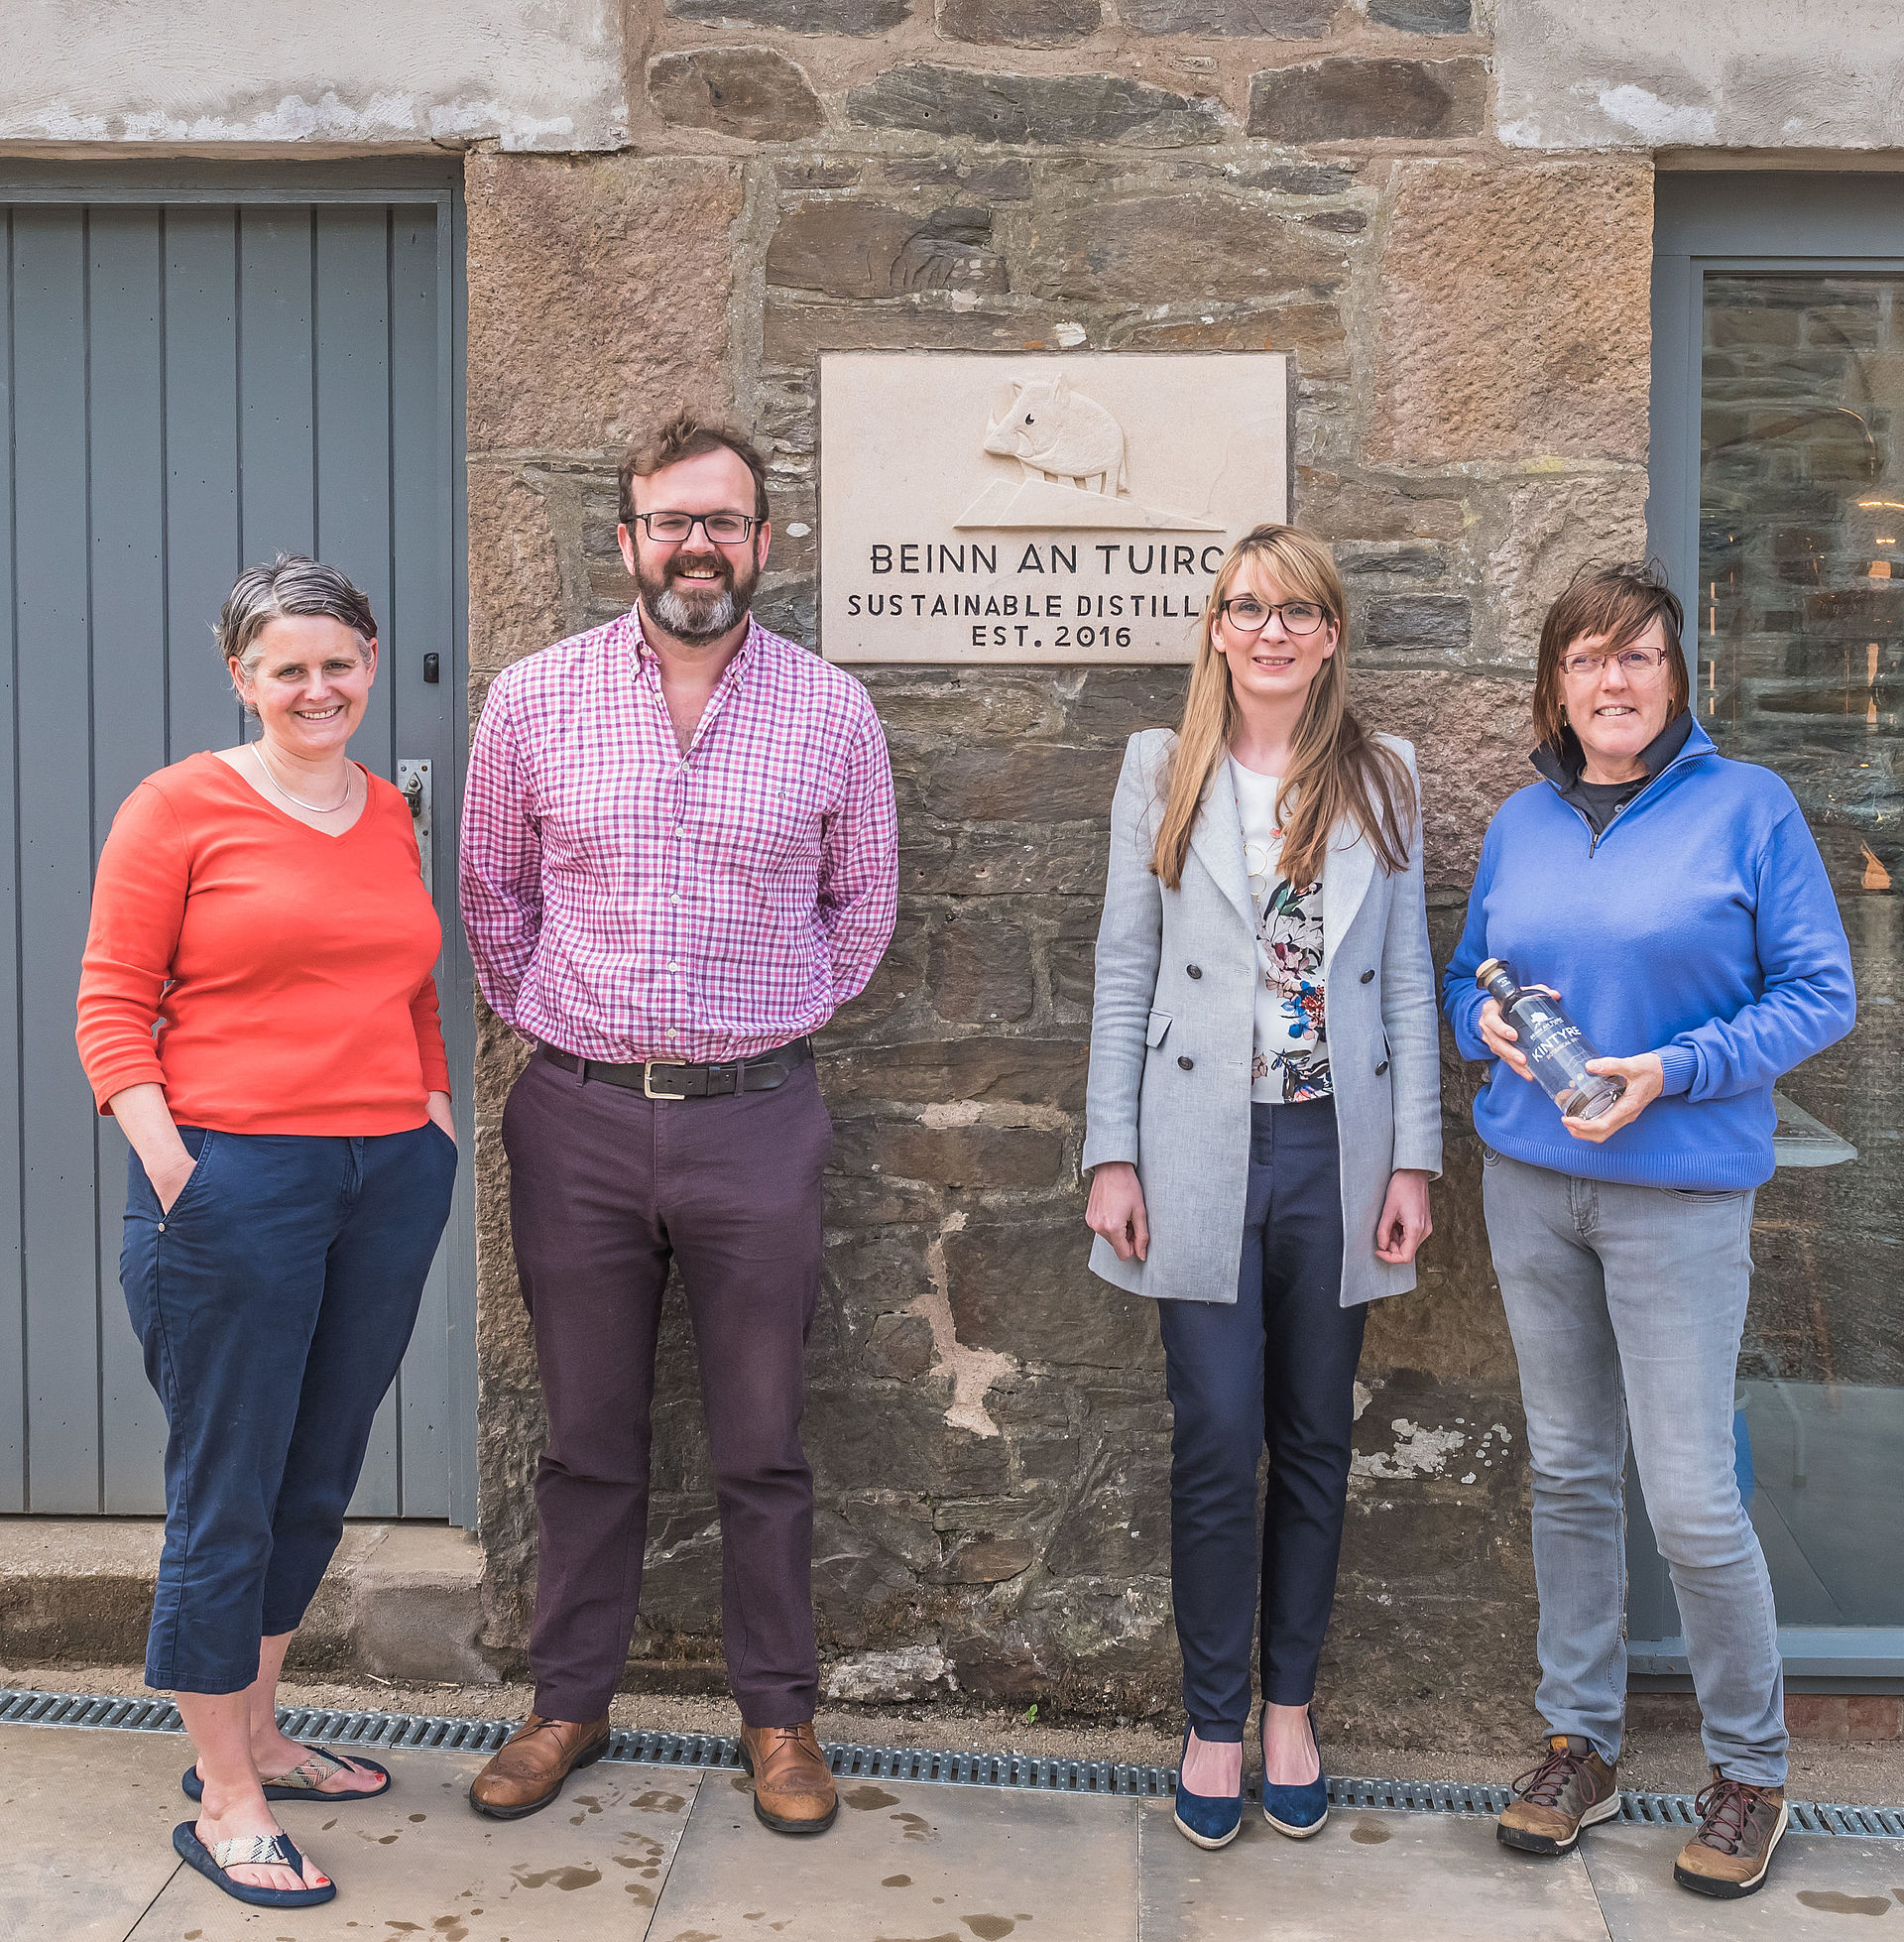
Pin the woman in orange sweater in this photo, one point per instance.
(257, 1011)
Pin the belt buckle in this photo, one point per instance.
(648, 1078)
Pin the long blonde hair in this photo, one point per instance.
(1336, 767)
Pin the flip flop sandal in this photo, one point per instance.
(306, 1780)
(249, 1851)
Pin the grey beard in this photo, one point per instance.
(689, 618)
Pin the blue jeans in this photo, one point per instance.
(1274, 1367)
(274, 1301)
(1626, 1304)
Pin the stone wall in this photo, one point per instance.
(1469, 328)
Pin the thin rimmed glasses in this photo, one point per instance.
(723, 529)
(1636, 663)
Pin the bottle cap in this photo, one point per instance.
(1482, 972)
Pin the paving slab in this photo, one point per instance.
(1410, 1877)
(1817, 1881)
(417, 1865)
(906, 1864)
(111, 1799)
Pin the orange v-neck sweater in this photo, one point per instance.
(273, 979)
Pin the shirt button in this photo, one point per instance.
(671, 1031)
(673, 896)
(1186, 1064)
(1367, 976)
(672, 966)
(1193, 970)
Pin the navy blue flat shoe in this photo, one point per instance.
(250, 1851)
(1210, 1820)
(1300, 1813)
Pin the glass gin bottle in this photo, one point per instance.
(1556, 1048)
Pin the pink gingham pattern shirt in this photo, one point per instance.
(624, 902)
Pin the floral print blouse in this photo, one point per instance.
(1292, 1059)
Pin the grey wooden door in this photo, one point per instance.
(195, 377)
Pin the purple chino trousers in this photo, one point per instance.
(607, 1187)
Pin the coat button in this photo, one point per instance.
(1186, 1064)
(1194, 970)
(1382, 1068)
(1367, 976)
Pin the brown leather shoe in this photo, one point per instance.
(1739, 1826)
(794, 1792)
(528, 1771)
(1571, 1789)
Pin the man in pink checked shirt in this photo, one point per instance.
(679, 857)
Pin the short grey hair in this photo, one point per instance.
(290, 584)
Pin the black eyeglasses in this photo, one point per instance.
(1248, 615)
(723, 529)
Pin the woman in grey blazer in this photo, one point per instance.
(1263, 1120)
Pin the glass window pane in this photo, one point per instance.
(1800, 666)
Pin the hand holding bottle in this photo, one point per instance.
(1643, 1075)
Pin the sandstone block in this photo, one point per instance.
(990, 180)
(1072, 954)
(1056, 109)
(980, 973)
(1341, 507)
(1296, 177)
(1416, 620)
(1019, 22)
(1553, 528)
(597, 288)
(859, 17)
(1158, 249)
(1023, 1071)
(1423, 16)
(1114, 704)
(1282, 19)
(514, 579)
(951, 1156)
(901, 1347)
(1028, 783)
(1515, 315)
(1472, 737)
(795, 331)
(1311, 332)
(1022, 1287)
(754, 92)
(1118, 1525)
(1349, 100)
(864, 249)
(1063, 862)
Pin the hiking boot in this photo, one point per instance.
(528, 1773)
(1572, 1788)
(793, 1790)
(1738, 1827)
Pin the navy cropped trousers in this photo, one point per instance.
(273, 1301)
(1275, 1369)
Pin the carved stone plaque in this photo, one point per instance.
(1043, 508)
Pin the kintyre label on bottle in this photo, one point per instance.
(1555, 1047)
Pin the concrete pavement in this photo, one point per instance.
(644, 1854)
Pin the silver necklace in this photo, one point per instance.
(315, 808)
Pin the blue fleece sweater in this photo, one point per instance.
(1701, 925)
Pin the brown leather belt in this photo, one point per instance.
(666, 1078)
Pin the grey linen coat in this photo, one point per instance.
(1172, 1039)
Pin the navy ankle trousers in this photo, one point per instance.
(1277, 1369)
(273, 1301)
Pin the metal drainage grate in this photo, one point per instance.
(408, 1732)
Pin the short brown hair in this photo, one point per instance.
(686, 436)
(1617, 603)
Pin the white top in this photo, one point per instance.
(1292, 1061)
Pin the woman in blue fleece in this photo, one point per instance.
(1677, 903)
